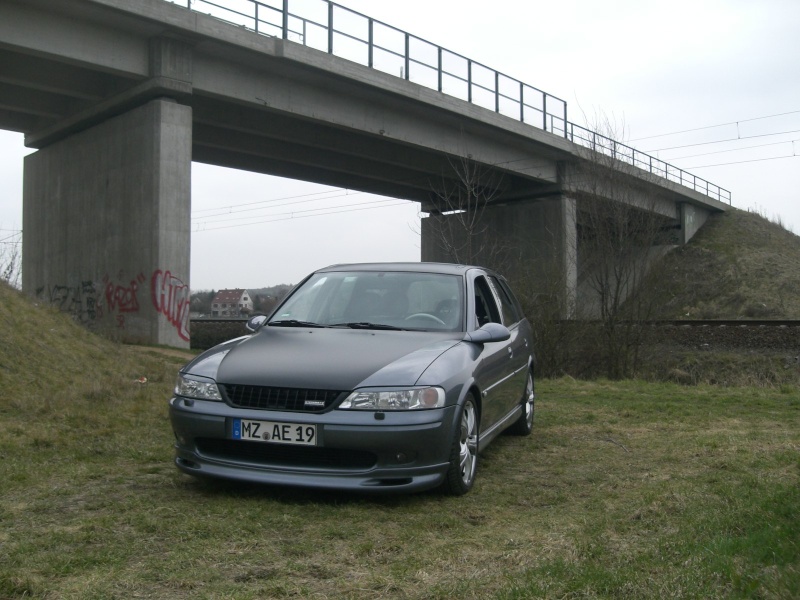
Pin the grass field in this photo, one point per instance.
(624, 490)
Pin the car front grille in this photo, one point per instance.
(272, 398)
(284, 455)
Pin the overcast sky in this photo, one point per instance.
(710, 86)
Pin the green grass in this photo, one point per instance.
(624, 490)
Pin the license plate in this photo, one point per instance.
(275, 432)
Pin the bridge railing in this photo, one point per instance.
(338, 30)
(335, 29)
(630, 155)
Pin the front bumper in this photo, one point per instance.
(357, 450)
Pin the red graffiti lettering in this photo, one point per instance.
(171, 297)
(122, 298)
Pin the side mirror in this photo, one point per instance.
(491, 332)
(255, 323)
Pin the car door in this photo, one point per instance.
(517, 346)
(495, 371)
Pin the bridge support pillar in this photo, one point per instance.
(532, 242)
(692, 219)
(106, 219)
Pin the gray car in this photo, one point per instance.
(370, 377)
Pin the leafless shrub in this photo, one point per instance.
(623, 232)
(11, 258)
(458, 220)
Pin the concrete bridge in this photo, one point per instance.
(120, 97)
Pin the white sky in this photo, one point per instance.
(722, 68)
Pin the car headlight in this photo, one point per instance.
(395, 399)
(194, 386)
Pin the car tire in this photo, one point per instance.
(524, 425)
(464, 452)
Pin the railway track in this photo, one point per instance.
(727, 323)
(749, 335)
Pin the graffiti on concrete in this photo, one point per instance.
(171, 298)
(80, 301)
(123, 298)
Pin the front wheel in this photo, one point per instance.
(464, 453)
(524, 425)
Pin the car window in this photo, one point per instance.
(507, 307)
(340, 300)
(485, 306)
(300, 305)
(428, 301)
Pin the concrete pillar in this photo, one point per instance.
(106, 216)
(692, 219)
(533, 243)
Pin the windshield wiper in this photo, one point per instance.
(367, 325)
(294, 323)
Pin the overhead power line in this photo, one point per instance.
(232, 210)
(308, 210)
(739, 162)
(747, 137)
(736, 149)
(13, 235)
(223, 208)
(289, 216)
(650, 137)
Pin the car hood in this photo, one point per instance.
(333, 359)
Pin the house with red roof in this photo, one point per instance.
(232, 303)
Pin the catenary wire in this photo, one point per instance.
(230, 210)
(735, 149)
(309, 210)
(294, 216)
(745, 161)
(222, 208)
(650, 137)
(5, 239)
(736, 139)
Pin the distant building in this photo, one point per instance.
(231, 303)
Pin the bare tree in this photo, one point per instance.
(458, 223)
(614, 227)
(11, 259)
(624, 229)
(547, 301)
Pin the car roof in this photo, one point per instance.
(409, 267)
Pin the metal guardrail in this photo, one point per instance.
(630, 155)
(335, 29)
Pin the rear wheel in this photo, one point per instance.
(524, 425)
(464, 452)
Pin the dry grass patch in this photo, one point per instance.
(624, 490)
(740, 265)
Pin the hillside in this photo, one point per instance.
(738, 266)
(44, 352)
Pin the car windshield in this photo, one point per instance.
(376, 300)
